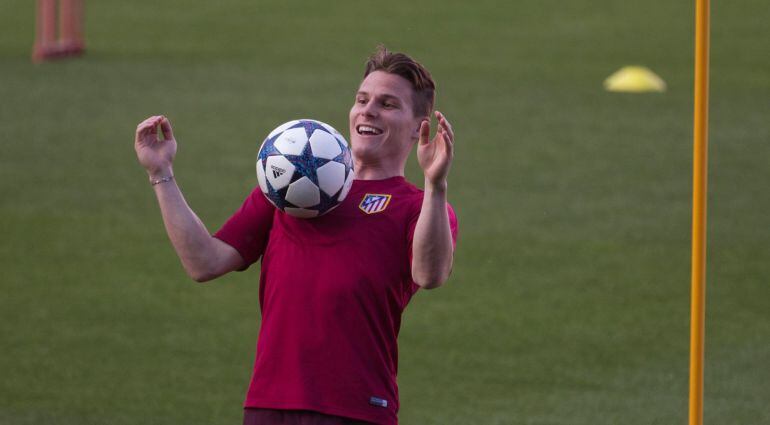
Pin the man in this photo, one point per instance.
(332, 289)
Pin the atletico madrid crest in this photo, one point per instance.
(374, 203)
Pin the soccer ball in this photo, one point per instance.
(305, 168)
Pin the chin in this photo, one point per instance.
(358, 151)
(367, 154)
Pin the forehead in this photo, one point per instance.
(380, 83)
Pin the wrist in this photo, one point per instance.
(160, 173)
(438, 188)
(155, 182)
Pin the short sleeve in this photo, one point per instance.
(248, 228)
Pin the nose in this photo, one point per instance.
(369, 109)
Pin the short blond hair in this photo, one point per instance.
(404, 66)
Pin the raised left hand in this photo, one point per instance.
(435, 156)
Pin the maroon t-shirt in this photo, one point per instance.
(332, 290)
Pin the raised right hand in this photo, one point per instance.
(156, 155)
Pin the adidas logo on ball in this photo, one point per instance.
(277, 171)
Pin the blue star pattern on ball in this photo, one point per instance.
(268, 149)
(306, 164)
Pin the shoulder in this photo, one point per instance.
(416, 195)
(408, 194)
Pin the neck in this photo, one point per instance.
(376, 171)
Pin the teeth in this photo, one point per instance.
(366, 129)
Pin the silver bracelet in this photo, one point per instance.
(161, 180)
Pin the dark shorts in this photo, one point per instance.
(252, 416)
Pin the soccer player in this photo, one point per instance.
(333, 288)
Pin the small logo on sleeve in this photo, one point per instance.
(374, 203)
(376, 401)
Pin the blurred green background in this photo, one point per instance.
(569, 302)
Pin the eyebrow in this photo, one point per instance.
(385, 95)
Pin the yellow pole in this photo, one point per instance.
(700, 174)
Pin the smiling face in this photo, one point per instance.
(383, 126)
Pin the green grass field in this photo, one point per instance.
(569, 302)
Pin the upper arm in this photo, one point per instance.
(228, 258)
(243, 238)
(221, 259)
(433, 267)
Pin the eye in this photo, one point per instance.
(389, 105)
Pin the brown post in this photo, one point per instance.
(70, 39)
(45, 38)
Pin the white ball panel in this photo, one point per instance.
(303, 193)
(300, 212)
(331, 177)
(346, 187)
(324, 145)
(291, 142)
(261, 176)
(282, 127)
(279, 171)
(336, 133)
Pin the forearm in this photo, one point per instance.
(432, 248)
(194, 245)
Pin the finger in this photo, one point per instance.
(144, 132)
(446, 138)
(165, 126)
(148, 129)
(450, 144)
(444, 123)
(447, 130)
(424, 132)
(148, 121)
(444, 144)
(141, 128)
(440, 117)
(147, 125)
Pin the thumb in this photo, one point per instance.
(165, 126)
(424, 132)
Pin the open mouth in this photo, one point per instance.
(367, 130)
